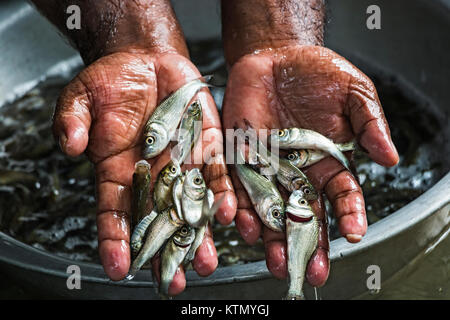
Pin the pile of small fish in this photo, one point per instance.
(297, 218)
(182, 204)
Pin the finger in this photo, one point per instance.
(215, 170)
(72, 118)
(347, 200)
(247, 220)
(319, 263)
(178, 283)
(276, 253)
(217, 179)
(369, 123)
(113, 181)
(205, 261)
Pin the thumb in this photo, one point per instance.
(72, 118)
(369, 123)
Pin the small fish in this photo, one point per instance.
(173, 255)
(139, 233)
(140, 191)
(194, 191)
(160, 229)
(288, 175)
(295, 138)
(302, 231)
(162, 124)
(307, 157)
(189, 131)
(263, 194)
(162, 193)
(209, 210)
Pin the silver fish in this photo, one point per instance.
(194, 191)
(307, 157)
(296, 138)
(302, 231)
(264, 195)
(189, 131)
(162, 228)
(288, 175)
(139, 233)
(209, 210)
(162, 193)
(162, 124)
(177, 192)
(140, 191)
(173, 255)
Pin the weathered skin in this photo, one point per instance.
(139, 232)
(194, 192)
(288, 175)
(264, 196)
(296, 82)
(296, 138)
(302, 230)
(162, 193)
(140, 188)
(162, 228)
(135, 55)
(189, 131)
(163, 123)
(173, 255)
(307, 157)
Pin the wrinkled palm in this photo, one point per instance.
(103, 112)
(314, 88)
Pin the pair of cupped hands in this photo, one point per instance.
(104, 109)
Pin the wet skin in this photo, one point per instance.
(309, 87)
(103, 111)
(285, 83)
(281, 76)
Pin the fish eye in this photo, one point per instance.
(276, 213)
(198, 180)
(150, 140)
(281, 133)
(173, 169)
(307, 191)
(184, 231)
(291, 156)
(302, 201)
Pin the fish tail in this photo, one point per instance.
(207, 78)
(295, 296)
(164, 287)
(348, 146)
(342, 158)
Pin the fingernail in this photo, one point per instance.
(62, 141)
(353, 238)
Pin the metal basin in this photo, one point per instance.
(413, 44)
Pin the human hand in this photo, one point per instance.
(103, 112)
(314, 88)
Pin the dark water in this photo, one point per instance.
(47, 199)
